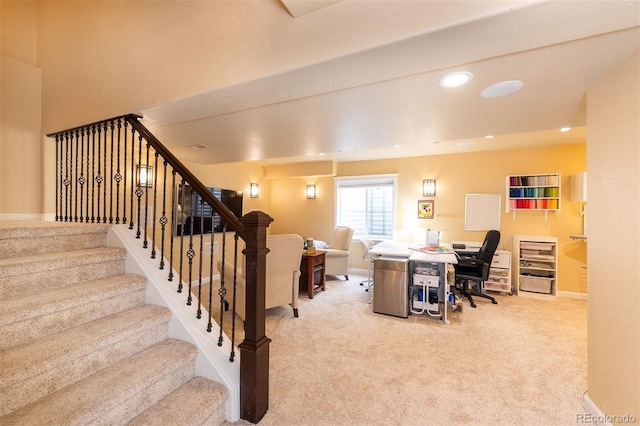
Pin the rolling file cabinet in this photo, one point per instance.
(500, 273)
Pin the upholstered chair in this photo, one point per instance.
(282, 274)
(337, 252)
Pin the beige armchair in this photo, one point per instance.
(337, 252)
(282, 274)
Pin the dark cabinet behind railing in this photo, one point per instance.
(115, 171)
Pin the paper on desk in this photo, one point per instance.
(434, 250)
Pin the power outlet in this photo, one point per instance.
(207, 248)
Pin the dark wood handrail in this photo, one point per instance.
(77, 172)
(189, 177)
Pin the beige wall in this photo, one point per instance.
(20, 119)
(456, 175)
(104, 55)
(613, 108)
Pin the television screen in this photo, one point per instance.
(190, 208)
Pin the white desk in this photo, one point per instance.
(403, 250)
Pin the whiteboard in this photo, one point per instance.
(482, 212)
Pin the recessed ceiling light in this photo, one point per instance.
(503, 88)
(322, 153)
(565, 129)
(455, 79)
(396, 146)
(489, 137)
(466, 143)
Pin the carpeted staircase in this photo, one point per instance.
(78, 344)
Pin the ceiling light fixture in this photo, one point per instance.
(565, 129)
(455, 79)
(489, 137)
(198, 146)
(503, 88)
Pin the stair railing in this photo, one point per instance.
(116, 171)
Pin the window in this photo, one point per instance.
(367, 204)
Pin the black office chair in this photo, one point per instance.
(476, 268)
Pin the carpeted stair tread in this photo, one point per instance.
(22, 275)
(197, 402)
(119, 390)
(51, 311)
(24, 229)
(29, 238)
(59, 299)
(21, 362)
(52, 261)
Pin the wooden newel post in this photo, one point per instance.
(254, 350)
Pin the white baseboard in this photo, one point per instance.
(595, 415)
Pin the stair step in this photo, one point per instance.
(200, 401)
(30, 371)
(22, 275)
(116, 394)
(21, 238)
(36, 315)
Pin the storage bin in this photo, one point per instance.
(536, 246)
(536, 284)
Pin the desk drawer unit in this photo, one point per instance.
(500, 273)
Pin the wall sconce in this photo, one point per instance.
(429, 188)
(255, 190)
(311, 191)
(145, 175)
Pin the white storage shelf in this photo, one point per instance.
(536, 266)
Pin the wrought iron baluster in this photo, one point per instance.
(99, 178)
(67, 182)
(113, 177)
(181, 215)
(235, 292)
(124, 168)
(199, 312)
(163, 218)
(174, 224)
(118, 175)
(191, 253)
(146, 197)
(133, 176)
(155, 205)
(104, 171)
(93, 176)
(209, 323)
(81, 178)
(222, 291)
(73, 176)
(87, 136)
(138, 188)
(58, 178)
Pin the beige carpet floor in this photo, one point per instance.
(521, 362)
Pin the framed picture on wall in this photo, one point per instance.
(426, 209)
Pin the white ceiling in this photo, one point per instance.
(386, 102)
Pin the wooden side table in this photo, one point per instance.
(312, 272)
